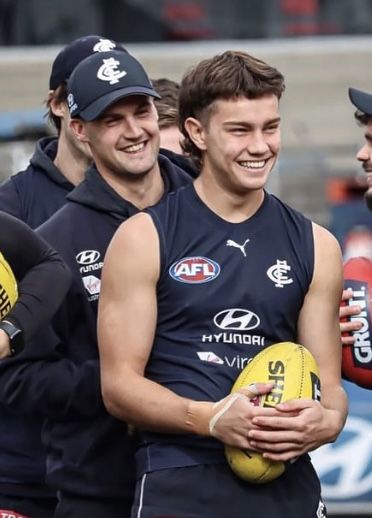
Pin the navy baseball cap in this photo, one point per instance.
(361, 100)
(76, 51)
(102, 79)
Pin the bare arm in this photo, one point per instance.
(306, 424)
(319, 327)
(126, 326)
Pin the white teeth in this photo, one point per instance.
(253, 165)
(135, 148)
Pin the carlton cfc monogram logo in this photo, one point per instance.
(104, 45)
(194, 270)
(278, 274)
(108, 71)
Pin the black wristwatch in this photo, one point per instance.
(15, 336)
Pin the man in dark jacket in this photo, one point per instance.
(33, 196)
(58, 163)
(90, 454)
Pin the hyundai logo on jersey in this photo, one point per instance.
(88, 256)
(194, 270)
(237, 319)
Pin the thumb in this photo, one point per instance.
(256, 389)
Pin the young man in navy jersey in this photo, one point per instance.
(90, 454)
(210, 276)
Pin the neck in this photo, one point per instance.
(71, 162)
(234, 207)
(142, 191)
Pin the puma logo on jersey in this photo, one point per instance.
(232, 243)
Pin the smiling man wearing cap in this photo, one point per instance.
(90, 454)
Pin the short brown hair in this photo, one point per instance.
(229, 75)
(167, 106)
(362, 118)
(60, 95)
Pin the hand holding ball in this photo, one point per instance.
(295, 373)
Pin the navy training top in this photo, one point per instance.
(226, 291)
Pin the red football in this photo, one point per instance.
(357, 358)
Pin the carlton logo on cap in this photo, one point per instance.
(109, 72)
(104, 45)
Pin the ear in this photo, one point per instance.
(78, 128)
(196, 132)
(57, 107)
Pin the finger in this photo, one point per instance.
(347, 340)
(265, 439)
(274, 448)
(293, 405)
(349, 327)
(290, 456)
(349, 311)
(347, 294)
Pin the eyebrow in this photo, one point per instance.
(248, 124)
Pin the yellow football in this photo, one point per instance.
(8, 288)
(295, 373)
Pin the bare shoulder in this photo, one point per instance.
(327, 255)
(325, 242)
(135, 229)
(135, 234)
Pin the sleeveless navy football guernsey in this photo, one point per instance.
(226, 291)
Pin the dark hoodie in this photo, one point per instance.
(34, 194)
(89, 452)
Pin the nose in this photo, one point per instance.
(132, 130)
(364, 153)
(257, 143)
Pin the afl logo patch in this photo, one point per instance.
(194, 270)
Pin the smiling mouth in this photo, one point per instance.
(252, 164)
(135, 148)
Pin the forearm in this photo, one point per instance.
(150, 406)
(334, 399)
(41, 291)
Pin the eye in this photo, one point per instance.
(143, 111)
(238, 131)
(110, 121)
(272, 129)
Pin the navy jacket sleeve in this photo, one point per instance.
(9, 199)
(43, 380)
(42, 276)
